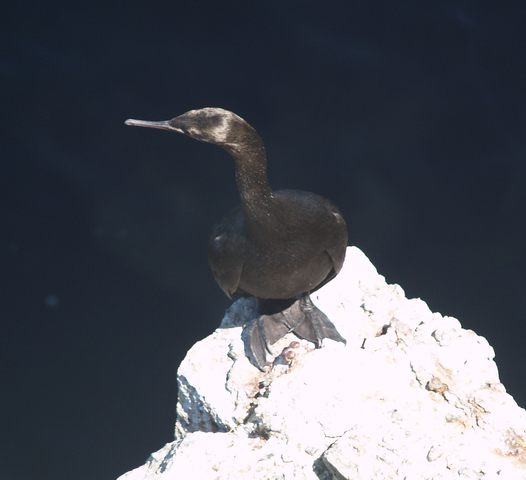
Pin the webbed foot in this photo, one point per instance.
(279, 317)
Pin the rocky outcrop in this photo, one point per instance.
(411, 396)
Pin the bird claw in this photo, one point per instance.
(302, 318)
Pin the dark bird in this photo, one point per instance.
(276, 246)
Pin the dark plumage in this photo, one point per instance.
(277, 246)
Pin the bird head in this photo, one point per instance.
(211, 125)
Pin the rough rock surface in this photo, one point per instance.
(411, 396)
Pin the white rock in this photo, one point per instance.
(411, 396)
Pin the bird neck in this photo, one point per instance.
(256, 195)
(252, 179)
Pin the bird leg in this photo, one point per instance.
(279, 317)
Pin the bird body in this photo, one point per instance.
(295, 250)
(276, 246)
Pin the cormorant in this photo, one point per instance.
(278, 246)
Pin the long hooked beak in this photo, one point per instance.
(144, 123)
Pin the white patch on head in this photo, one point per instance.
(222, 129)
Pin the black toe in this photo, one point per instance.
(299, 316)
(316, 326)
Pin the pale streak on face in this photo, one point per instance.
(221, 130)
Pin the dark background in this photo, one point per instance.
(410, 116)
